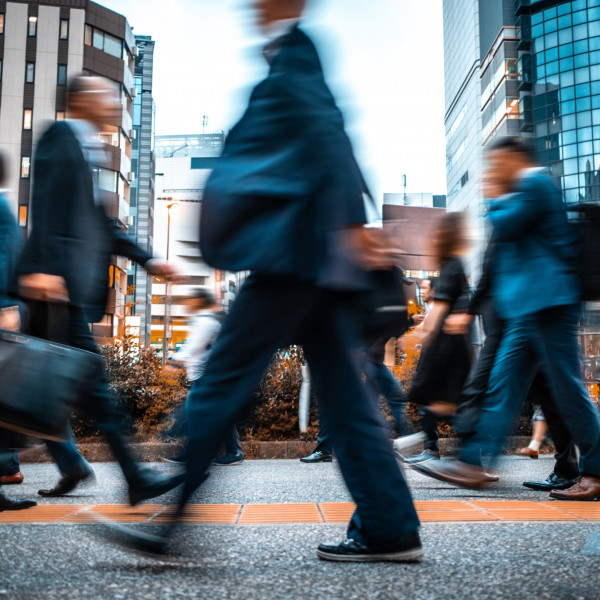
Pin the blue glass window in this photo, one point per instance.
(579, 17)
(551, 40)
(537, 31)
(551, 55)
(570, 166)
(572, 181)
(565, 50)
(582, 90)
(569, 137)
(566, 64)
(596, 117)
(578, 5)
(596, 136)
(580, 32)
(552, 68)
(565, 36)
(564, 9)
(584, 135)
(567, 93)
(592, 3)
(595, 88)
(594, 14)
(550, 26)
(540, 114)
(568, 122)
(585, 163)
(583, 104)
(568, 107)
(564, 22)
(582, 75)
(595, 57)
(567, 79)
(540, 72)
(595, 71)
(584, 119)
(595, 43)
(537, 18)
(582, 60)
(580, 46)
(549, 14)
(596, 101)
(594, 28)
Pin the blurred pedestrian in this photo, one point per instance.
(194, 355)
(539, 430)
(65, 265)
(10, 319)
(286, 202)
(530, 226)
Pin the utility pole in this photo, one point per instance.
(167, 316)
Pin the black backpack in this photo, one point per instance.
(586, 221)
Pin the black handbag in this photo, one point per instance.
(40, 384)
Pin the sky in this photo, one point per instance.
(383, 60)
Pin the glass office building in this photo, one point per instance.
(559, 83)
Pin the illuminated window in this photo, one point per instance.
(512, 108)
(1, 23)
(88, 35)
(27, 118)
(30, 72)
(60, 115)
(32, 27)
(25, 167)
(64, 29)
(22, 216)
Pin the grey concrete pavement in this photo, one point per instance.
(462, 560)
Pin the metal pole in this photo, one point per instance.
(167, 296)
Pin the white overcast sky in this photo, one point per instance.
(383, 60)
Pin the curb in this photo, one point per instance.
(293, 449)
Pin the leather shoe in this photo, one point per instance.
(67, 484)
(528, 452)
(148, 485)
(406, 550)
(587, 488)
(455, 472)
(8, 503)
(12, 479)
(552, 482)
(318, 456)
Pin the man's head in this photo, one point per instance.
(506, 157)
(202, 299)
(427, 289)
(271, 11)
(92, 99)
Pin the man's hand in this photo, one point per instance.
(44, 287)
(418, 318)
(10, 319)
(458, 324)
(372, 248)
(161, 268)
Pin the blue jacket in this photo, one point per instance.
(287, 181)
(10, 245)
(535, 256)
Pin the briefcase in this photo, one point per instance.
(41, 383)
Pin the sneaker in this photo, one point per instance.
(318, 456)
(229, 459)
(407, 550)
(408, 441)
(422, 457)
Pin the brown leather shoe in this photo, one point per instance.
(528, 452)
(587, 488)
(456, 473)
(12, 479)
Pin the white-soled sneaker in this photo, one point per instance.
(405, 442)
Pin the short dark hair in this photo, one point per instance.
(513, 144)
(447, 236)
(204, 294)
(2, 168)
(432, 283)
(77, 84)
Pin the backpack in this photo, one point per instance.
(586, 224)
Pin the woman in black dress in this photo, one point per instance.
(445, 359)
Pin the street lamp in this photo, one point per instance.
(167, 289)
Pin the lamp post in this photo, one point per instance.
(167, 290)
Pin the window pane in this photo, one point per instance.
(60, 115)
(62, 75)
(25, 166)
(98, 40)
(88, 35)
(30, 72)
(22, 216)
(32, 27)
(64, 29)
(27, 118)
(113, 46)
(1, 23)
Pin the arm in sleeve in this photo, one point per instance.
(203, 334)
(123, 245)
(7, 239)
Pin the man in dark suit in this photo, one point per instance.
(286, 202)
(10, 318)
(532, 237)
(64, 268)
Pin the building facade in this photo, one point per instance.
(42, 44)
(183, 164)
(141, 201)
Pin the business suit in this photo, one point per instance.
(536, 294)
(287, 182)
(72, 237)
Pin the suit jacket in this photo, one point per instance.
(287, 181)
(535, 254)
(10, 243)
(71, 235)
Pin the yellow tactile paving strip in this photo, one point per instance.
(432, 511)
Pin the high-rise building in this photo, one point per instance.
(183, 164)
(141, 201)
(415, 199)
(42, 44)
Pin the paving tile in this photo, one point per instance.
(120, 513)
(280, 513)
(522, 510)
(337, 512)
(42, 513)
(203, 513)
(585, 510)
